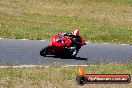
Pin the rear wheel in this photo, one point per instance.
(44, 51)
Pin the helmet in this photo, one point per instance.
(75, 32)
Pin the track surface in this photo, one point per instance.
(26, 52)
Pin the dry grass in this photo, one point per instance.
(101, 21)
(58, 77)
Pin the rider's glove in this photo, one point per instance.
(60, 38)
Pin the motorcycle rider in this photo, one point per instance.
(75, 38)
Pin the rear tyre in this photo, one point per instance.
(44, 51)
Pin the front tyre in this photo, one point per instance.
(44, 51)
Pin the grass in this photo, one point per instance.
(98, 20)
(56, 76)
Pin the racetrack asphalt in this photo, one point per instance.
(26, 52)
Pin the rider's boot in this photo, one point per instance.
(74, 51)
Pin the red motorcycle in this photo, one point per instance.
(61, 48)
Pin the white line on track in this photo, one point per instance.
(23, 66)
(23, 39)
(88, 42)
(105, 43)
(124, 44)
(42, 40)
(32, 66)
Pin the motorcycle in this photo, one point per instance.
(61, 48)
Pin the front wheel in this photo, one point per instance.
(44, 51)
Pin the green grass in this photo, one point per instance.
(52, 76)
(98, 20)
